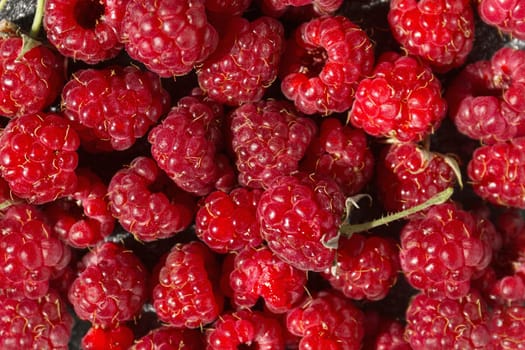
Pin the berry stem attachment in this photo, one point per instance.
(441, 197)
(37, 19)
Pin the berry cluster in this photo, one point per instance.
(213, 174)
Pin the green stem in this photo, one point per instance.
(441, 197)
(37, 20)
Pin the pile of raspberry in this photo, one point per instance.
(266, 174)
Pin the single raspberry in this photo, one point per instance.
(341, 152)
(485, 98)
(187, 291)
(170, 338)
(246, 62)
(298, 216)
(443, 249)
(365, 267)
(38, 155)
(269, 138)
(32, 252)
(43, 323)
(401, 100)
(31, 74)
(259, 273)
(497, 172)
(327, 321)
(113, 107)
(227, 7)
(277, 8)
(323, 64)
(408, 175)
(245, 328)
(110, 287)
(85, 30)
(187, 145)
(448, 323)
(147, 203)
(507, 326)
(440, 32)
(117, 338)
(226, 221)
(507, 16)
(168, 36)
(82, 219)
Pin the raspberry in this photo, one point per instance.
(342, 153)
(43, 323)
(440, 32)
(507, 17)
(38, 157)
(32, 253)
(147, 203)
(507, 326)
(112, 107)
(187, 291)
(323, 64)
(118, 338)
(407, 175)
(257, 272)
(170, 338)
(365, 267)
(83, 218)
(447, 323)
(327, 321)
(246, 62)
(269, 139)
(245, 327)
(496, 172)
(29, 80)
(389, 336)
(168, 36)
(187, 145)
(226, 221)
(85, 30)
(298, 215)
(401, 100)
(110, 287)
(443, 250)
(277, 8)
(485, 98)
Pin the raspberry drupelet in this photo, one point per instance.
(506, 16)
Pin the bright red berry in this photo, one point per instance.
(170, 338)
(117, 338)
(507, 327)
(507, 16)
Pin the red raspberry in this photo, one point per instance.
(187, 291)
(496, 173)
(246, 62)
(269, 139)
(507, 16)
(226, 221)
(118, 338)
(187, 145)
(38, 155)
(298, 215)
(111, 286)
(112, 107)
(408, 175)
(168, 36)
(440, 32)
(277, 8)
(443, 250)
(83, 218)
(389, 335)
(29, 81)
(342, 153)
(32, 253)
(401, 100)
(43, 323)
(147, 203)
(507, 326)
(323, 63)
(434, 324)
(365, 267)
(327, 321)
(170, 338)
(260, 273)
(245, 327)
(485, 98)
(85, 30)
